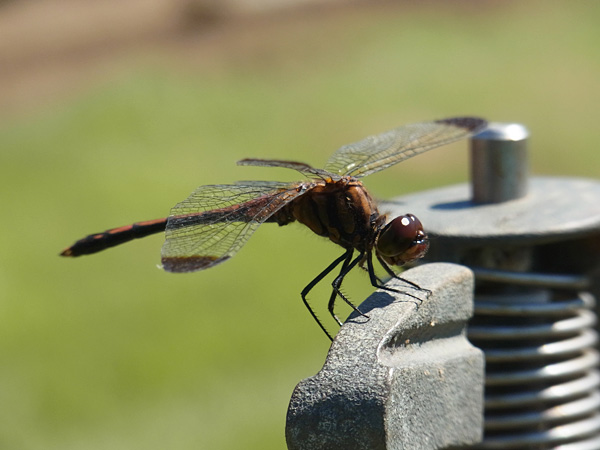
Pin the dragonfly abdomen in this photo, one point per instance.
(115, 236)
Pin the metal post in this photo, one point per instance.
(499, 164)
(533, 245)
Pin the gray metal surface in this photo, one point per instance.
(499, 163)
(554, 209)
(406, 378)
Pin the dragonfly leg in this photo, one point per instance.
(392, 274)
(337, 283)
(379, 281)
(376, 281)
(346, 256)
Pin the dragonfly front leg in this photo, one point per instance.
(376, 281)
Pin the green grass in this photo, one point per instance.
(110, 352)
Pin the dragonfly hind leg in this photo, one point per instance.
(347, 265)
(347, 255)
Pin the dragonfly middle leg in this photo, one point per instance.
(348, 265)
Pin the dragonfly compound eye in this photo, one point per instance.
(402, 240)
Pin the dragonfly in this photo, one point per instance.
(215, 221)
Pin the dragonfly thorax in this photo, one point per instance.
(341, 210)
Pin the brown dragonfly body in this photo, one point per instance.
(342, 211)
(212, 224)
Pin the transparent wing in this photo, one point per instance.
(214, 222)
(378, 152)
(303, 168)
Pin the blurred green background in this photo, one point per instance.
(108, 351)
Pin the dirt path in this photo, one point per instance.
(50, 49)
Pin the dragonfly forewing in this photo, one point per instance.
(381, 151)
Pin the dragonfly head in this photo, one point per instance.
(402, 240)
